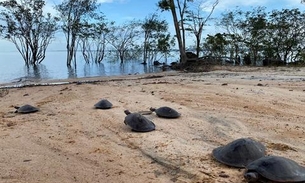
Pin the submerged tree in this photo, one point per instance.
(28, 28)
(123, 37)
(92, 40)
(72, 13)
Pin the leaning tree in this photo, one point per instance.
(25, 25)
(178, 10)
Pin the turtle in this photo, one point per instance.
(103, 104)
(240, 152)
(138, 122)
(26, 109)
(166, 112)
(274, 169)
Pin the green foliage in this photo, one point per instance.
(164, 5)
(215, 45)
(25, 25)
(156, 37)
(278, 35)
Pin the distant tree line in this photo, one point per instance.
(251, 36)
(277, 36)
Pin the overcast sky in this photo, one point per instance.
(123, 10)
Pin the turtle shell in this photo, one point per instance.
(26, 109)
(239, 153)
(138, 122)
(166, 112)
(276, 169)
(103, 104)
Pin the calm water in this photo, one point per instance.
(12, 68)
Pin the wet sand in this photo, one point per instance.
(70, 141)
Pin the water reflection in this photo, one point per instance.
(36, 72)
(40, 71)
(94, 69)
(54, 67)
(72, 72)
(100, 69)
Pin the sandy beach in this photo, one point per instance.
(68, 140)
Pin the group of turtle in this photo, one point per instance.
(140, 123)
(241, 153)
(251, 155)
(136, 121)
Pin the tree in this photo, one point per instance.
(277, 36)
(123, 37)
(73, 13)
(164, 44)
(196, 21)
(28, 28)
(156, 37)
(181, 7)
(286, 32)
(92, 40)
(216, 45)
(230, 21)
(254, 28)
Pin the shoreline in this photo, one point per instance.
(68, 140)
(96, 79)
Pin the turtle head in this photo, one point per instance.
(127, 112)
(251, 176)
(16, 107)
(152, 109)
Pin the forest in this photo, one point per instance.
(256, 37)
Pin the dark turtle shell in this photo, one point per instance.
(138, 122)
(26, 109)
(239, 153)
(166, 112)
(275, 169)
(103, 104)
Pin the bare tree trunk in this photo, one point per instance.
(178, 33)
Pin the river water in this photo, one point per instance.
(12, 68)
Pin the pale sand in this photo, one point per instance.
(69, 141)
